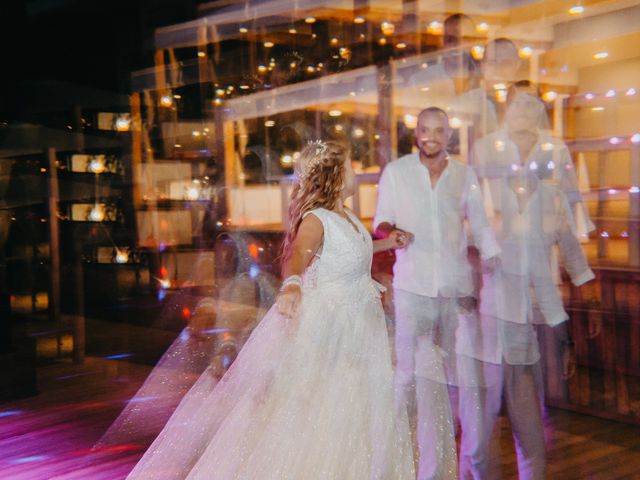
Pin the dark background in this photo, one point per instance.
(89, 43)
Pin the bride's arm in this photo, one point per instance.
(305, 245)
(395, 239)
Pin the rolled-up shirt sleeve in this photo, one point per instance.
(573, 257)
(386, 204)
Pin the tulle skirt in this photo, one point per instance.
(307, 398)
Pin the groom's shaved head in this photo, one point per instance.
(434, 111)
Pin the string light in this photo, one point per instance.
(477, 52)
(600, 55)
(358, 20)
(96, 165)
(310, 20)
(410, 121)
(525, 52)
(193, 193)
(97, 213)
(268, 44)
(576, 10)
(123, 124)
(435, 28)
(243, 30)
(482, 27)
(166, 101)
(387, 28)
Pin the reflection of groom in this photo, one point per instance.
(428, 196)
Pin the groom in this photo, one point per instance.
(428, 196)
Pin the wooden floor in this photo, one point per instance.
(48, 436)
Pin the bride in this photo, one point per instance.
(310, 396)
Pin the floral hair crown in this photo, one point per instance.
(319, 147)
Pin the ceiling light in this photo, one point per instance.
(482, 27)
(525, 52)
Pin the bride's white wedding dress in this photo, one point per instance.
(307, 398)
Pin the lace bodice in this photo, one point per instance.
(345, 259)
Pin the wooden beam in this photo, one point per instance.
(54, 238)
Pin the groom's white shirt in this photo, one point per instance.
(435, 264)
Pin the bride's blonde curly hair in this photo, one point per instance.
(320, 170)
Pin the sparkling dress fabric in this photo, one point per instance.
(307, 398)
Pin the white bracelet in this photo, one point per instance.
(292, 280)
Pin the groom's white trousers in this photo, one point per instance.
(424, 339)
(483, 388)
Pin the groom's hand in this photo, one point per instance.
(469, 303)
(399, 239)
(404, 238)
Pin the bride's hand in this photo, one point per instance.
(288, 300)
